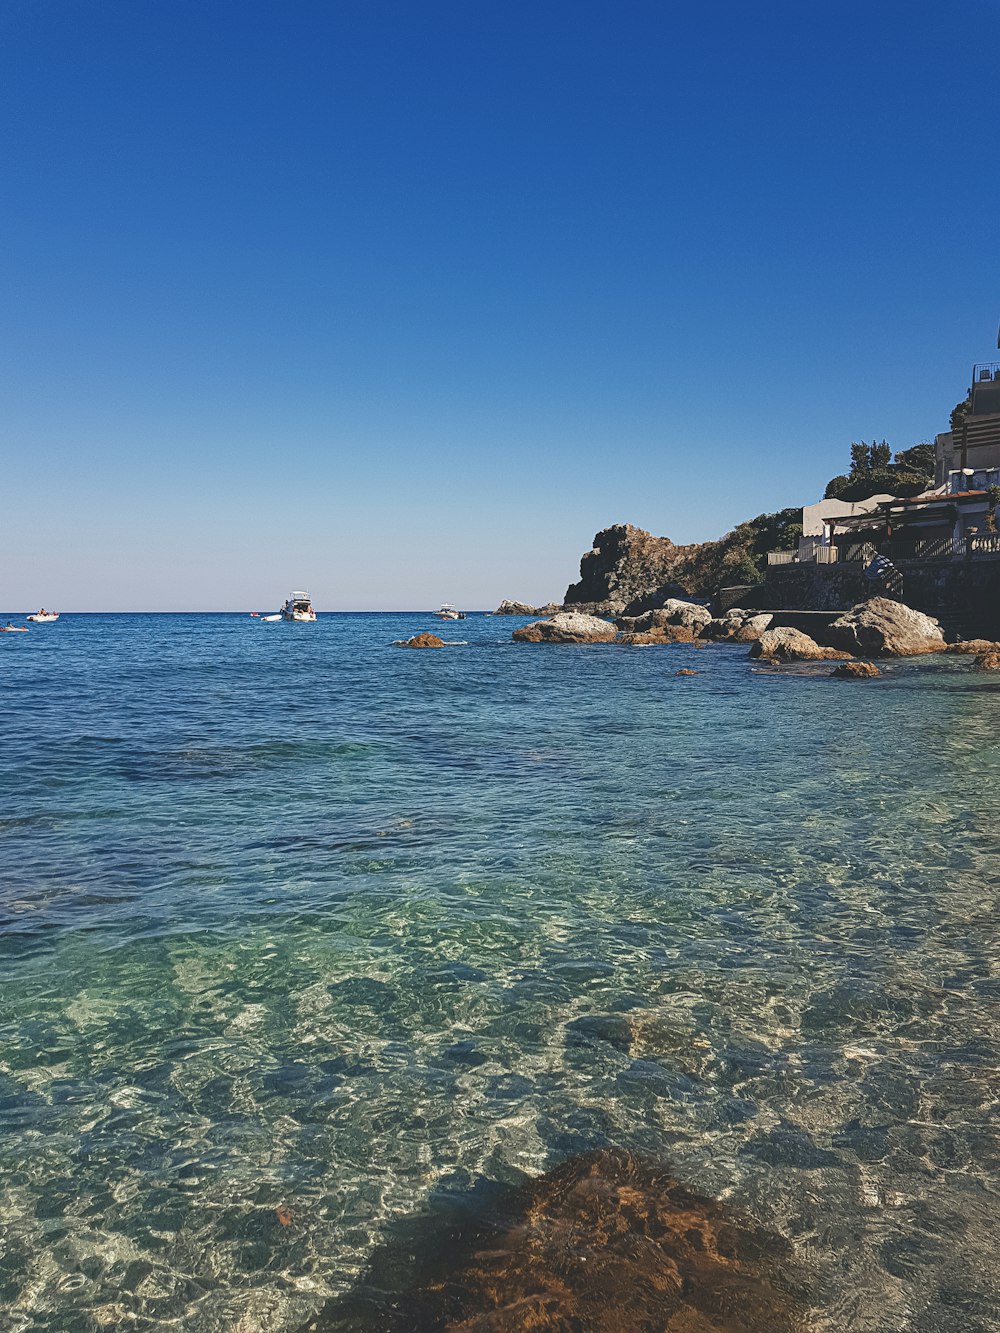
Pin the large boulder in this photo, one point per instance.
(749, 631)
(729, 626)
(567, 627)
(791, 645)
(658, 634)
(973, 647)
(689, 617)
(882, 627)
(691, 614)
(508, 608)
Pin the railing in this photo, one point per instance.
(986, 371)
(819, 555)
(897, 548)
(987, 543)
(936, 548)
(979, 479)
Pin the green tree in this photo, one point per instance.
(835, 487)
(880, 457)
(959, 412)
(919, 458)
(860, 460)
(744, 570)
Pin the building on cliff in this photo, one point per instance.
(974, 442)
(954, 519)
(817, 526)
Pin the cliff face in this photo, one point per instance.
(629, 572)
(626, 568)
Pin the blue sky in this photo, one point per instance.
(402, 302)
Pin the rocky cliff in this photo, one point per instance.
(625, 568)
(628, 571)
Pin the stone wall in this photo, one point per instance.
(811, 587)
(963, 594)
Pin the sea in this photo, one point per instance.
(301, 933)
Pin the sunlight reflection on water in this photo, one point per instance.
(292, 918)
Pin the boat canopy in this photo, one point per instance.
(299, 597)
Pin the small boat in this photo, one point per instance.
(269, 620)
(298, 607)
(448, 612)
(13, 629)
(43, 617)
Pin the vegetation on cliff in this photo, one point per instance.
(628, 571)
(874, 471)
(741, 555)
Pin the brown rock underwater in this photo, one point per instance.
(605, 1243)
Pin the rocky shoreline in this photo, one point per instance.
(877, 628)
(636, 589)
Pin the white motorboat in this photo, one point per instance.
(448, 612)
(43, 617)
(298, 607)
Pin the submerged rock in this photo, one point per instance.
(686, 671)
(855, 671)
(988, 661)
(882, 627)
(566, 627)
(423, 641)
(605, 1243)
(790, 645)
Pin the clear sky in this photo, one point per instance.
(401, 301)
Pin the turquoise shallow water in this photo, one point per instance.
(289, 917)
